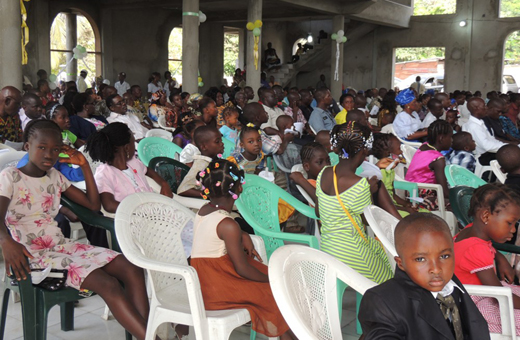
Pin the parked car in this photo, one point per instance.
(434, 81)
(509, 84)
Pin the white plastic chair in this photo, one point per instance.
(162, 124)
(160, 133)
(504, 297)
(308, 198)
(303, 281)
(412, 144)
(148, 229)
(188, 202)
(408, 153)
(10, 158)
(495, 167)
(481, 169)
(6, 147)
(435, 187)
(382, 226)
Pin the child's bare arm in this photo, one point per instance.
(488, 277)
(109, 202)
(15, 254)
(79, 143)
(229, 231)
(438, 167)
(298, 178)
(383, 198)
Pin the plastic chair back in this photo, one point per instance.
(501, 176)
(405, 142)
(258, 205)
(408, 152)
(170, 170)
(151, 147)
(382, 224)
(229, 147)
(161, 120)
(160, 133)
(460, 198)
(10, 158)
(304, 284)
(457, 175)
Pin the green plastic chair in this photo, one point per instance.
(170, 170)
(258, 205)
(151, 147)
(37, 302)
(229, 147)
(457, 175)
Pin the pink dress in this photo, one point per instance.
(473, 255)
(122, 183)
(35, 201)
(419, 170)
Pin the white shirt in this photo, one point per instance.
(464, 113)
(188, 152)
(484, 140)
(405, 125)
(81, 84)
(152, 88)
(273, 115)
(430, 118)
(121, 88)
(131, 121)
(447, 290)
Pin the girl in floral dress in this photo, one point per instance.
(29, 201)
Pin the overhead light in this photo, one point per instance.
(309, 38)
(463, 23)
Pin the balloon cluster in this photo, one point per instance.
(202, 17)
(80, 52)
(339, 37)
(201, 83)
(255, 27)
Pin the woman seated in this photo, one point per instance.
(159, 106)
(407, 124)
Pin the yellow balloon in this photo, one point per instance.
(250, 26)
(258, 23)
(199, 79)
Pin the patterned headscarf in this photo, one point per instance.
(405, 97)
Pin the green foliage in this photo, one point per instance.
(418, 53)
(175, 54)
(509, 8)
(435, 7)
(230, 53)
(512, 49)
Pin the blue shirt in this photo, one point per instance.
(229, 133)
(72, 174)
(321, 120)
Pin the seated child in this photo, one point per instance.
(283, 123)
(323, 138)
(495, 209)
(462, 154)
(428, 163)
(385, 120)
(413, 305)
(249, 156)
(209, 141)
(508, 157)
(357, 116)
(452, 117)
(185, 137)
(229, 130)
(58, 113)
(314, 158)
(435, 111)
(223, 255)
(122, 174)
(387, 148)
(190, 150)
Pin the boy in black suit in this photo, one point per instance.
(424, 300)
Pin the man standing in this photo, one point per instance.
(417, 86)
(121, 85)
(81, 84)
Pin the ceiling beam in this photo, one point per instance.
(386, 13)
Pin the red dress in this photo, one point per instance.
(473, 255)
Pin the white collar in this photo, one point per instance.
(447, 290)
(476, 120)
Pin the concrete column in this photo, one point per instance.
(211, 56)
(10, 44)
(254, 12)
(241, 48)
(338, 23)
(107, 18)
(71, 28)
(190, 45)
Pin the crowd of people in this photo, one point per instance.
(331, 138)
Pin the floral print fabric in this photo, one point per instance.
(35, 201)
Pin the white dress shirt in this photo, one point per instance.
(482, 137)
(464, 113)
(23, 118)
(273, 115)
(405, 125)
(131, 121)
(430, 118)
(121, 88)
(152, 88)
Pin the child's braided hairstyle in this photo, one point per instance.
(220, 179)
(494, 196)
(381, 145)
(308, 150)
(440, 127)
(349, 138)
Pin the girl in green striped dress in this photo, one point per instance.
(342, 196)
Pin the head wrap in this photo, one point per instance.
(155, 96)
(405, 97)
(194, 97)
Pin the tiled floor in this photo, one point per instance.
(89, 325)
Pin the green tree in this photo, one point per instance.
(230, 53)
(435, 7)
(175, 54)
(509, 8)
(418, 53)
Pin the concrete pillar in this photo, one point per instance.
(241, 48)
(190, 45)
(338, 23)
(211, 56)
(254, 12)
(71, 28)
(10, 44)
(107, 18)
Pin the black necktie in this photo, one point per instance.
(450, 311)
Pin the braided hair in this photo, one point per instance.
(102, 144)
(246, 129)
(52, 109)
(349, 138)
(36, 125)
(308, 149)
(494, 196)
(220, 179)
(440, 127)
(381, 145)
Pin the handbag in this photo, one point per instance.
(54, 281)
